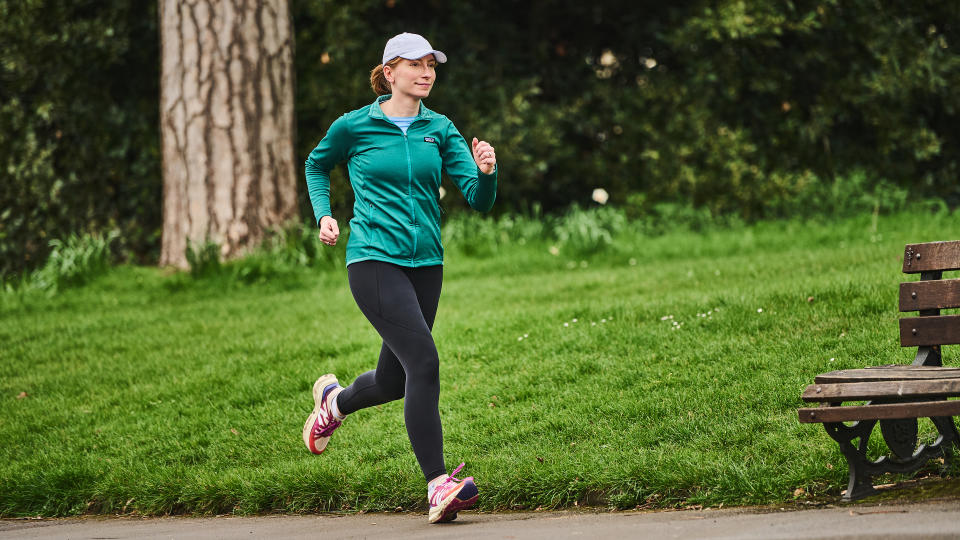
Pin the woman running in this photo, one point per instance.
(395, 149)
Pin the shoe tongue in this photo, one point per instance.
(435, 485)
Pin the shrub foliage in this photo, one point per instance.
(78, 126)
(727, 107)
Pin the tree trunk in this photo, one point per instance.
(227, 123)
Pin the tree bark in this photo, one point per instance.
(227, 123)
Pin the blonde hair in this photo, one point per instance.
(378, 81)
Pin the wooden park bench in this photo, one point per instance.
(897, 395)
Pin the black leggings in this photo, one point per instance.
(401, 303)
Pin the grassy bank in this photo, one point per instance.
(660, 371)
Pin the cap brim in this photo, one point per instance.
(416, 55)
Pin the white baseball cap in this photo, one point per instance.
(411, 47)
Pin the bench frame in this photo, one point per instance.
(897, 408)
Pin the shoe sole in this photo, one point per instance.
(463, 499)
(318, 445)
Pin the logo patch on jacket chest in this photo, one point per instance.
(429, 139)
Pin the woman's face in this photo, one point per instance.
(414, 78)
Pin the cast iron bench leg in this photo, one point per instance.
(860, 485)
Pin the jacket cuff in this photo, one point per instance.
(481, 174)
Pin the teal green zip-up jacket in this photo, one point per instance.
(396, 182)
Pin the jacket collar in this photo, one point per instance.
(377, 112)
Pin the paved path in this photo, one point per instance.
(935, 519)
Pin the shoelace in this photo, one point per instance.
(327, 430)
(437, 491)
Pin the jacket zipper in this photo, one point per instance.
(413, 220)
(413, 206)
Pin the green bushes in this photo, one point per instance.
(735, 107)
(576, 235)
(79, 144)
(285, 251)
(587, 232)
(728, 108)
(203, 259)
(73, 261)
(476, 235)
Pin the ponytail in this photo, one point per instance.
(378, 81)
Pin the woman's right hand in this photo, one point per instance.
(329, 231)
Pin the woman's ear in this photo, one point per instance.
(388, 73)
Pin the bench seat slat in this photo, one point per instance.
(930, 330)
(932, 294)
(857, 391)
(931, 256)
(888, 373)
(879, 412)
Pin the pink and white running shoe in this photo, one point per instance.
(321, 423)
(452, 496)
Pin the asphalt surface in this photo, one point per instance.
(932, 519)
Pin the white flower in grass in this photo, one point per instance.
(759, 310)
(566, 324)
(592, 323)
(574, 320)
(600, 195)
(525, 336)
(554, 250)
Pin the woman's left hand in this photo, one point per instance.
(484, 155)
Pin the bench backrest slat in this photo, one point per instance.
(935, 330)
(888, 373)
(933, 294)
(931, 256)
(856, 391)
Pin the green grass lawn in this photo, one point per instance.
(665, 371)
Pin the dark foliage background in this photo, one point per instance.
(79, 142)
(730, 106)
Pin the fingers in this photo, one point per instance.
(329, 231)
(484, 155)
(481, 147)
